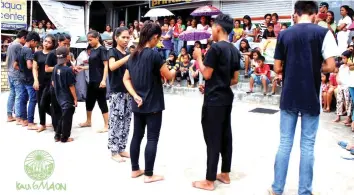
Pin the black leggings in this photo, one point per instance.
(55, 109)
(153, 123)
(216, 123)
(44, 101)
(63, 130)
(94, 93)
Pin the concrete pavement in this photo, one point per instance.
(85, 167)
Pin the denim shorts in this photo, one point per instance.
(258, 79)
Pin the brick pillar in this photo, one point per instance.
(4, 82)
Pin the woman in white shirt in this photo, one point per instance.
(343, 96)
(190, 44)
(203, 26)
(248, 31)
(343, 24)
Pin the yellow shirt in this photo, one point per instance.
(238, 32)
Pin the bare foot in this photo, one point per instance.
(337, 120)
(85, 124)
(204, 185)
(136, 174)
(11, 119)
(124, 154)
(32, 126)
(223, 178)
(41, 128)
(18, 122)
(104, 130)
(118, 158)
(24, 123)
(69, 140)
(154, 178)
(49, 125)
(326, 110)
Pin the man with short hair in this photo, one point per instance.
(25, 81)
(323, 8)
(12, 73)
(301, 90)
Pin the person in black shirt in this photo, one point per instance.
(120, 101)
(42, 80)
(50, 62)
(143, 81)
(64, 88)
(98, 72)
(269, 32)
(220, 70)
(24, 61)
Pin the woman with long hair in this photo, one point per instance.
(248, 31)
(342, 28)
(42, 80)
(98, 72)
(108, 43)
(192, 27)
(331, 22)
(142, 79)
(120, 110)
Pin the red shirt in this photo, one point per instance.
(264, 70)
(333, 79)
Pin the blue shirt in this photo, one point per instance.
(303, 48)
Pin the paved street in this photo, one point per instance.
(86, 168)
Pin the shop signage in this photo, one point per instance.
(13, 14)
(158, 3)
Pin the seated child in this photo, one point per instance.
(332, 90)
(261, 75)
(254, 55)
(277, 82)
(171, 64)
(269, 32)
(183, 72)
(245, 50)
(183, 52)
(195, 74)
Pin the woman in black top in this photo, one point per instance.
(143, 81)
(42, 80)
(98, 72)
(120, 101)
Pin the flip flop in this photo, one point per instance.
(343, 144)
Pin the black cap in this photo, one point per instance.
(324, 4)
(62, 53)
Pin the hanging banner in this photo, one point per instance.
(65, 17)
(158, 3)
(13, 14)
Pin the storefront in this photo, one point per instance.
(257, 9)
(181, 8)
(127, 13)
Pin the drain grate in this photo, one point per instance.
(264, 111)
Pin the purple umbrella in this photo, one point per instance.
(207, 10)
(194, 35)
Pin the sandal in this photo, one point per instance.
(343, 144)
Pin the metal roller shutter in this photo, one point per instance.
(256, 8)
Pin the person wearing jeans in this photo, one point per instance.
(179, 28)
(301, 95)
(11, 99)
(24, 65)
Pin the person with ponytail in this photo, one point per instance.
(50, 62)
(120, 110)
(98, 72)
(142, 79)
(42, 80)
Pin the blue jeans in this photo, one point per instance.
(178, 44)
(351, 91)
(27, 113)
(258, 79)
(20, 94)
(309, 126)
(12, 95)
(166, 53)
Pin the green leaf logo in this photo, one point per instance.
(39, 165)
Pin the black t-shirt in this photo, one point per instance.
(96, 66)
(145, 75)
(40, 58)
(63, 77)
(224, 58)
(26, 74)
(268, 34)
(116, 76)
(51, 60)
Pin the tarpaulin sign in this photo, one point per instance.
(13, 14)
